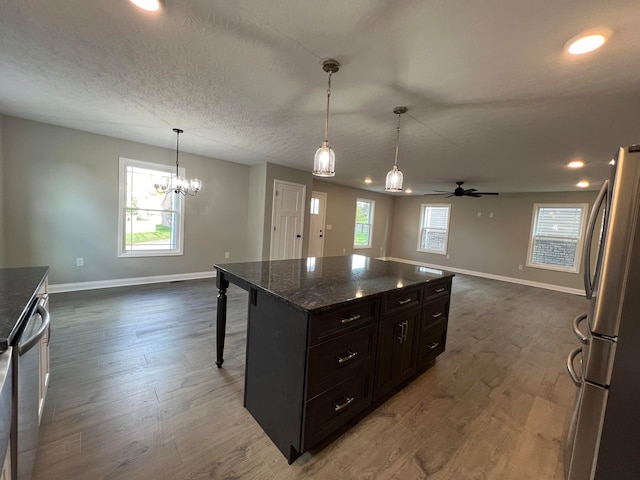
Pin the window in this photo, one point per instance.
(149, 223)
(364, 223)
(556, 237)
(434, 228)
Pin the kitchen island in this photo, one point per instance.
(330, 338)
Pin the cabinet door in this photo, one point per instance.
(396, 360)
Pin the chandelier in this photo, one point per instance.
(324, 163)
(178, 184)
(393, 183)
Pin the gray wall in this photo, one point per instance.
(2, 201)
(63, 190)
(493, 245)
(256, 216)
(341, 215)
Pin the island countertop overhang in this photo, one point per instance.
(315, 284)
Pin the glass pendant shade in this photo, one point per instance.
(393, 183)
(324, 163)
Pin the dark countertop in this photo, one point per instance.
(18, 288)
(317, 283)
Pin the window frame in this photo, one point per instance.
(124, 163)
(372, 206)
(579, 246)
(422, 227)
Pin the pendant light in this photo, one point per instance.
(393, 183)
(178, 184)
(324, 163)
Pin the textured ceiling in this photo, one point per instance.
(493, 98)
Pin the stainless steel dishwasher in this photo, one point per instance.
(26, 388)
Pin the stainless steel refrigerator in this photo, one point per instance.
(604, 438)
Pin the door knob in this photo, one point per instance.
(298, 236)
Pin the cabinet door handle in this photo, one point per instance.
(401, 337)
(403, 302)
(341, 406)
(432, 345)
(439, 290)
(436, 315)
(351, 318)
(406, 330)
(345, 358)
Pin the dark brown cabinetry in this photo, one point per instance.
(312, 371)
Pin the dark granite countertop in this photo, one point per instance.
(317, 283)
(18, 288)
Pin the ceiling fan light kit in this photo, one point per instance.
(393, 182)
(324, 162)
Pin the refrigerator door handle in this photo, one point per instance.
(589, 281)
(576, 328)
(572, 372)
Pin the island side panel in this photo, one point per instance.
(275, 370)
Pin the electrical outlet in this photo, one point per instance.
(344, 250)
(79, 262)
(226, 254)
(520, 267)
(448, 256)
(479, 214)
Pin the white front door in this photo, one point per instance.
(316, 228)
(287, 221)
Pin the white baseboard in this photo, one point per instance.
(548, 286)
(124, 282)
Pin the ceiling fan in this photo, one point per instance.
(469, 192)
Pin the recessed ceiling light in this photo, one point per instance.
(409, 190)
(582, 184)
(576, 164)
(367, 180)
(148, 5)
(585, 44)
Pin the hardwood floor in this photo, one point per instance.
(135, 393)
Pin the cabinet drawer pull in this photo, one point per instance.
(403, 302)
(338, 407)
(351, 318)
(432, 345)
(440, 290)
(436, 315)
(349, 356)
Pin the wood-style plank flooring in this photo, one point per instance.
(135, 393)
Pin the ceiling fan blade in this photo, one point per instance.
(441, 191)
(472, 195)
(470, 190)
(487, 193)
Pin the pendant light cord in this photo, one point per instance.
(397, 141)
(326, 122)
(177, 147)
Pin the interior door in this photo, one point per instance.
(317, 224)
(287, 220)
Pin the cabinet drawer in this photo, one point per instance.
(329, 411)
(401, 300)
(438, 288)
(432, 343)
(434, 311)
(342, 319)
(333, 361)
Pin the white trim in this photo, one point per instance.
(123, 163)
(519, 281)
(580, 244)
(124, 282)
(372, 212)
